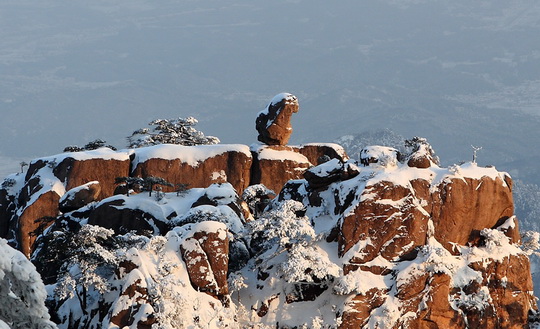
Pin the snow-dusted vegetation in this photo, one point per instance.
(22, 292)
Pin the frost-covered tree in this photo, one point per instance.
(257, 198)
(420, 145)
(281, 227)
(285, 246)
(173, 131)
(181, 189)
(80, 262)
(73, 148)
(8, 182)
(89, 264)
(286, 229)
(23, 164)
(96, 144)
(147, 184)
(22, 293)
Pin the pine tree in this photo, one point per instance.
(151, 181)
(131, 183)
(173, 131)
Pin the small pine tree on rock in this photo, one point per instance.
(173, 131)
(23, 164)
(73, 148)
(93, 145)
(150, 182)
(131, 183)
(96, 144)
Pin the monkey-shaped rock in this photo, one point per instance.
(274, 122)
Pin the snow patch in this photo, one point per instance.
(192, 155)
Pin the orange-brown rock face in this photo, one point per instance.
(359, 308)
(35, 201)
(458, 207)
(46, 180)
(274, 123)
(46, 205)
(206, 257)
(78, 172)
(463, 207)
(390, 220)
(273, 166)
(229, 164)
(510, 289)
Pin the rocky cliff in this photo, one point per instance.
(32, 198)
(390, 241)
(380, 244)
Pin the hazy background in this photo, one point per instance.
(460, 73)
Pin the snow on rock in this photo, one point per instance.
(280, 154)
(73, 169)
(205, 251)
(103, 153)
(80, 196)
(132, 307)
(380, 156)
(158, 214)
(37, 199)
(412, 239)
(274, 165)
(151, 284)
(192, 155)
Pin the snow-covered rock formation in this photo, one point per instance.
(389, 241)
(418, 247)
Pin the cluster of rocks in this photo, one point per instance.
(388, 224)
(384, 223)
(91, 177)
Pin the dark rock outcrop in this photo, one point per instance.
(7, 211)
(115, 215)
